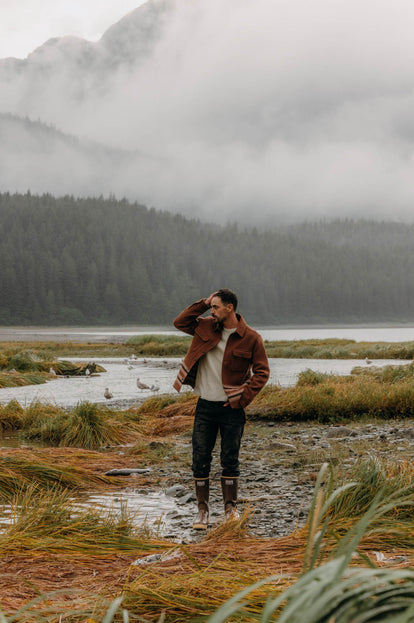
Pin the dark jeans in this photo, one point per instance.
(210, 418)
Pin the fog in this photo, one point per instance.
(256, 111)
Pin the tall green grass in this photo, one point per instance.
(332, 589)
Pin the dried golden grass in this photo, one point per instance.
(21, 468)
(174, 417)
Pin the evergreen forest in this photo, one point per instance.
(102, 261)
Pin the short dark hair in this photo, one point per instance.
(227, 296)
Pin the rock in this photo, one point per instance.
(127, 472)
(190, 497)
(174, 490)
(341, 431)
(279, 445)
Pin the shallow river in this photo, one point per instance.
(120, 377)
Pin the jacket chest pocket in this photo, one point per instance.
(240, 360)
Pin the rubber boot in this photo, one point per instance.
(229, 489)
(202, 486)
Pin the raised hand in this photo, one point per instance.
(208, 300)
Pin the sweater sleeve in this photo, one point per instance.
(188, 319)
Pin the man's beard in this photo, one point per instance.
(218, 326)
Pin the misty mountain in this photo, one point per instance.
(39, 157)
(255, 112)
(86, 63)
(95, 261)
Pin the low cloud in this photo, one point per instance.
(272, 110)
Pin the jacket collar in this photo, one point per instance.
(241, 327)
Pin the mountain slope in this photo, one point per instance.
(41, 158)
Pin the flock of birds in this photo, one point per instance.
(154, 387)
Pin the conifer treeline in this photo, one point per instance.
(97, 261)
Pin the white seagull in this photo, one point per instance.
(155, 387)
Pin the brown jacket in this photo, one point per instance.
(245, 367)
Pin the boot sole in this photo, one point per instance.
(200, 526)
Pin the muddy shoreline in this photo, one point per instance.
(279, 466)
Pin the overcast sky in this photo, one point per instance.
(290, 109)
(26, 24)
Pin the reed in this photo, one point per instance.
(87, 426)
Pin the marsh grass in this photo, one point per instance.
(11, 416)
(331, 589)
(21, 366)
(373, 478)
(319, 574)
(177, 346)
(382, 394)
(19, 471)
(87, 426)
(328, 398)
(153, 452)
(333, 348)
(50, 520)
(160, 345)
(17, 379)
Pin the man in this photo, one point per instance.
(227, 366)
